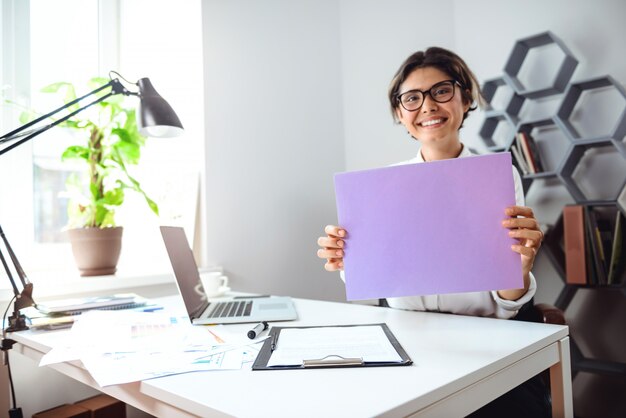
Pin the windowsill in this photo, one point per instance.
(64, 284)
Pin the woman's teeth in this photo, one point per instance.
(431, 122)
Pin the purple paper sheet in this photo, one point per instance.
(428, 228)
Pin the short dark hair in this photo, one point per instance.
(446, 61)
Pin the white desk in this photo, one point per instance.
(460, 364)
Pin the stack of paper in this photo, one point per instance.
(120, 347)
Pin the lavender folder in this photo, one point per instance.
(428, 228)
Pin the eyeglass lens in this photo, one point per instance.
(440, 92)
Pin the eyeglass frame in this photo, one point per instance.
(424, 93)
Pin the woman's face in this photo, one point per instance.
(434, 124)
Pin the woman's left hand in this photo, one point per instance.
(525, 228)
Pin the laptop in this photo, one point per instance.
(204, 311)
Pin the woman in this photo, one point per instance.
(431, 95)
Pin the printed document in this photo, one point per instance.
(120, 347)
(367, 342)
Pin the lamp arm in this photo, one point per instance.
(24, 298)
(14, 134)
(9, 275)
(116, 88)
(14, 260)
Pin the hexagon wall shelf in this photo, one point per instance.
(590, 162)
(515, 102)
(570, 100)
(490, 126)
(519, 54)
(609, 178)
(573, 159)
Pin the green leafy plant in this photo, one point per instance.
(111, 143)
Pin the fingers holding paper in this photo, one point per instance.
(332, 247)
(525, 228)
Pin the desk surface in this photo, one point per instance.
(460, 363)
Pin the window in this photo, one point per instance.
(75, 40)
(57, 54)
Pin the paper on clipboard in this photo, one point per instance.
(297, 345)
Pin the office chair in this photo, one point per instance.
(541, 313)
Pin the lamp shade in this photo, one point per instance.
(155, 117)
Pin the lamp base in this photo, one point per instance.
(17, 322)
(15, 413)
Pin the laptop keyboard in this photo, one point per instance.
(231, 309)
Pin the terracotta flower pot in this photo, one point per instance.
(96, 250)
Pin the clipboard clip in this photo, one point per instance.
(333, 360)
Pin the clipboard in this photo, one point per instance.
(331, 360)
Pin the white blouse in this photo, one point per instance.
(486, 303)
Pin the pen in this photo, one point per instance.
(274, 342)
(217, 337)
(259, 328)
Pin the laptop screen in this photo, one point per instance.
(185, 270)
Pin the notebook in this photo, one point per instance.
(77, 306)
(202, 310)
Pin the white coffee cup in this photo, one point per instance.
(215, 283)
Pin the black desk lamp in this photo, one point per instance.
(155, 117)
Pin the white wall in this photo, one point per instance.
(274, 139)
(375, 38)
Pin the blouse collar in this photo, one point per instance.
(465, 152)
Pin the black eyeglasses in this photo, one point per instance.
(441, 92)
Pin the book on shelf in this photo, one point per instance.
(529, 151)
(595, 244)
(525, 152)
(534, 152)
(606, 227)
(605, 222)
(521, 162)
(616, 261)
(575, 246)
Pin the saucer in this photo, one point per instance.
(221, 292)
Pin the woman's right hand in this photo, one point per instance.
(332, 247)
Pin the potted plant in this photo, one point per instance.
(110, 143)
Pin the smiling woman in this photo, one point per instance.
(431, 95)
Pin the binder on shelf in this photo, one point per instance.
(396, 356)
(574, 242)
